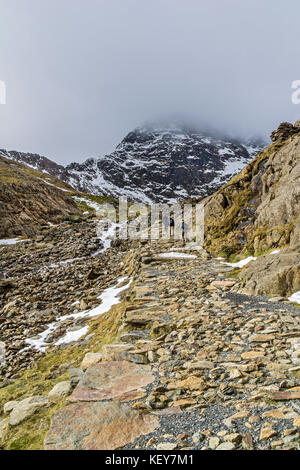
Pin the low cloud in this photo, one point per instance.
(80, 75)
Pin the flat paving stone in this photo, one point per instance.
(111, 379)
(97, 426)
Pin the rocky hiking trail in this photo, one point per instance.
(194, 366)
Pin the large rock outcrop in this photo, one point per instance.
(259, 210)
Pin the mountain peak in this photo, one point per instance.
(158, 162)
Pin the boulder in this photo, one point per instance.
(115, 352)
(272, 274)
(90, 359)
(9, 406)
(26, 408)
(60, 390)
(76, 375)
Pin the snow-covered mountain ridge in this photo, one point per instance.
(155, 165)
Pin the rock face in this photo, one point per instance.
(29, 200)
(259, 208)
(155, 165)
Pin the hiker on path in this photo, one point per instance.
(183, 228)
(172, 224)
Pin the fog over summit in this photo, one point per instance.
(80, 77)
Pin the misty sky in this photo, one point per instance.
(80, 74)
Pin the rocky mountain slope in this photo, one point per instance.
(259, 210)
(30, 199)
(155, 165)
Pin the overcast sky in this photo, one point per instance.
(80, 74)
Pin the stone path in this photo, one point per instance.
(195, 366)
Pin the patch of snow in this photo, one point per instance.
(176, 255)
(275, 252)
(253, 150)
(231, 167)
(106, 238)
(225, 151)
(295, 297)
(57, 187)
(72, 336)
(11, 241)
(38, 342)
(92, 204)
(240, 264)
(108, 298)
(63, 263)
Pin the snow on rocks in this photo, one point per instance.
(241, 263)
(158, 154)
(39, 342)
(72, 336)
(108, 298)
(176, 255)
(245, 261)
(295, 297)
(94, 205)
(11, 241)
